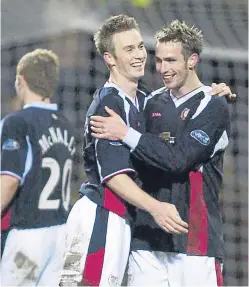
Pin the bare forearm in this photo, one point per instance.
(126, 188)
(9, 185)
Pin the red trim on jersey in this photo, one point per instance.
(219, 275)
(112, 203)
(5, 221)
(198, 223)
(93, 268)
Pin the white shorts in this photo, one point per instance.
(97, 246)
(172, 269)
(33, 257)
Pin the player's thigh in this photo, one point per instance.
(108, 250)
(97, 246)
(116, 250)
(147, 269)
(24, 256)
(186, 270)
(79, 229)
(50, 275)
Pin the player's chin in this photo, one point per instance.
(169, 85)
(139, 74)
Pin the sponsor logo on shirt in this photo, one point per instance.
(156, 115)
(10, 144)
(200, 136)
(116, 143)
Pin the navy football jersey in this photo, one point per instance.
(103, 158)
(186, 169)
(37, 147)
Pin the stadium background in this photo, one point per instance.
(67, 26)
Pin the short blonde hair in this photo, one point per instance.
(190, 37)
(115, 24)
(40, 70)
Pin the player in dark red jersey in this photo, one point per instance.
(186, 166)
(37, 148)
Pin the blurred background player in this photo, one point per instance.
(37, 148)
(187, 167)
(98, 234)
(5, 216)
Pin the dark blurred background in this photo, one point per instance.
(67, 27)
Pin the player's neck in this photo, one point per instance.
(129, 87)
(191, 84)
(31, 98)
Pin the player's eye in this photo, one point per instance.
(171, 60)
(128, 49)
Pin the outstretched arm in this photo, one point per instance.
(207, 133)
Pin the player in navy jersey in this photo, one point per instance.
(185, 166)
(37, 149)
(98, 236)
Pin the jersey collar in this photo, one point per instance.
(42, 105)
(123, 93)
(178, 102)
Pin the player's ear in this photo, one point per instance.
(20, 81)
(192, 61)
(109, 59)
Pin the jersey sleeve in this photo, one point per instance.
(112, 157)
(206, 134)
(14, 147)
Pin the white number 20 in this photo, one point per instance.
(52, 164)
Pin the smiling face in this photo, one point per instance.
(171, 65)
(129, 56)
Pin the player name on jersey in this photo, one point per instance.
(57, 137)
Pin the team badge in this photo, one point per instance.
(184, 113)
(200, 136)
(10, 144)
(113, 280)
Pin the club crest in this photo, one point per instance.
(184, 113)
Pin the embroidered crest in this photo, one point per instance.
(184, 113)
